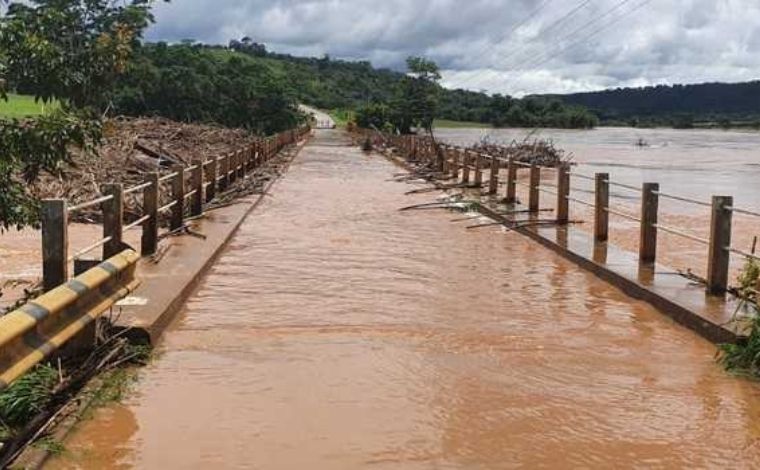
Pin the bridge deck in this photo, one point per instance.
(337, 332)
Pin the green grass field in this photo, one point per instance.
(340, 116)
(19, 106)
(446, 124)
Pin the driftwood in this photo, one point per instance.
(161, 157)
(131, 148)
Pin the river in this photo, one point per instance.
(337, 332)
(694, 164)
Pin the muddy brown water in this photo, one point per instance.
(694, 163)
(339, 333)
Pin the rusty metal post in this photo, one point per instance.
(493, 182)
(178, 196)
(196, 182)
(601, 207)
(511, 181)
(720, 241)
(213, 177)
(55, 243)
(149, 242)
(113, 219)
(478, 170)
(649, 209)
(533, 192)
(563, 193)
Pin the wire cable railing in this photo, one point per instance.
(648, 195)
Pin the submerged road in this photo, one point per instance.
(338, 333)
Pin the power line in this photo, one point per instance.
(518, 25)
(587, 37)
(577, 31)
(540, 35)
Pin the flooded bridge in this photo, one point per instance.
(338, 332)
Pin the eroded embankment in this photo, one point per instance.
(338, 332)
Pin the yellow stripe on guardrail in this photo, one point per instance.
(34, 331)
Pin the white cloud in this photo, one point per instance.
(638, 42)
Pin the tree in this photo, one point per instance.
(416, 100)
(65, 51)
(373, 116)
(193, 84)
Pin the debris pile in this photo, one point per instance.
(532, 151)
(131, 148)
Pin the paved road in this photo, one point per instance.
(324, 121)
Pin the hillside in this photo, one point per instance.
(677, 105)
(196, 82)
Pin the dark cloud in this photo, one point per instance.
(479, 45)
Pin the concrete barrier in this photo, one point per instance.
(34, 331)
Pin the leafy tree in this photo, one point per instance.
(374, 116)
(70, 52)
(187, 83)
(416, 101)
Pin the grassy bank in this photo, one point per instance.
(19, 106)
(446, 124)
(341, 116)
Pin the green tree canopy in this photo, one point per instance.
(69, 51)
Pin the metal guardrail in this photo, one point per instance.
(55, 211)
(31, 333)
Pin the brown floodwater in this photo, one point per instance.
(695, 163)
(337, 332)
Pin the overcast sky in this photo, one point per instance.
(506, 46)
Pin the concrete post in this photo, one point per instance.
(55, 243)
(224, 170)
(493, 181)
(465, 166)
(196, 182)
(454, 156)
(601, 206)
(213, 176)
(113, 219)
(648, 235)
(511, 181)
(149, 242)
(232, 169)
(178, 196)
(440, 161)
(563, 193)
(720, 240)
(535, 182)
(478, 170)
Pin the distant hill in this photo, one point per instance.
(677, 105)
(243, 84)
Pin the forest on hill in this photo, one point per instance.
(708, 104)
(230, 84)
